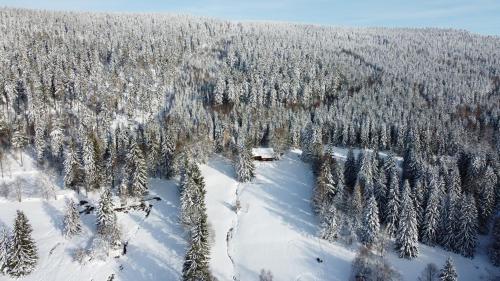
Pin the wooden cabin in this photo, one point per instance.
(263, 154)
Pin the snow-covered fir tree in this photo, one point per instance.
(23, 253)
(136, 171)
(5, 240)
(448, 272)
(106, 221)
(71, 223)
(407, 232)
(430, 228)
(393, 206)
(73, 173)
(350, 170)
(329, 227)
(466, 228)
(371, 225)
(243, 165)
(494, 247)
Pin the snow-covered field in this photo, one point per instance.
(275, 229)
(156, 244)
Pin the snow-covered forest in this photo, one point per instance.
(398, 131)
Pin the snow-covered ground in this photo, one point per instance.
(275, 229)
(156, 245)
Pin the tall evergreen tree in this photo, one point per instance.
(392, 209)
(106, 221)
(430, 226)
(407, 233)
(244, 167)
(72, 223)
(4, 249)
(73, 174)
(23, 255)
(486, 199)
(371, 225)
(136, 170)
(466, 233)
(350, 170)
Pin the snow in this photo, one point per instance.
(220, 199)
(156, 245)
(275, 228)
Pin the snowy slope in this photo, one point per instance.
(275, 229)
(156, 244)
(221, 194)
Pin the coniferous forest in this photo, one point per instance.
(108, 101)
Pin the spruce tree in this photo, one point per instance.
(73, 174)
(244, 167)
(136, 171)
(72, 223)
(19, 141)
(466, 232)
(407, 232)
(324, 190)
(392, 209)
(92, 162)
(448, 273)
(4, 249)
(430, 226)
(22, 256)
(106, 221)
(329, 224)
(486, 199)
(350, 170)
(371, 225)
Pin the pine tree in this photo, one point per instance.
(448, 219)
(91, 162)
(350, 170)
(23, 256)
(4, 249)
(448, 273)
(407, 233)
(244, 167)
(19, 141)
(72, 223)
(392, 209)
(167, 152)
(136, 171)
(39, 140)
(466, 233)
(73, 174)
(56, 140)
(380, 191)
(329, 225)
(371, 225)
(324, 190)
(430, 226)
(411, 165)
(486, 199)
(106, 218)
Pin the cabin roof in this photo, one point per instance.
(263, 152)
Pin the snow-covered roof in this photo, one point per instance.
(264, 152)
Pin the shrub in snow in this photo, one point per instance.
(81, 255)
(430, 273)
(265, 275)
(99, 248)
(369, 267)
(448, 273)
